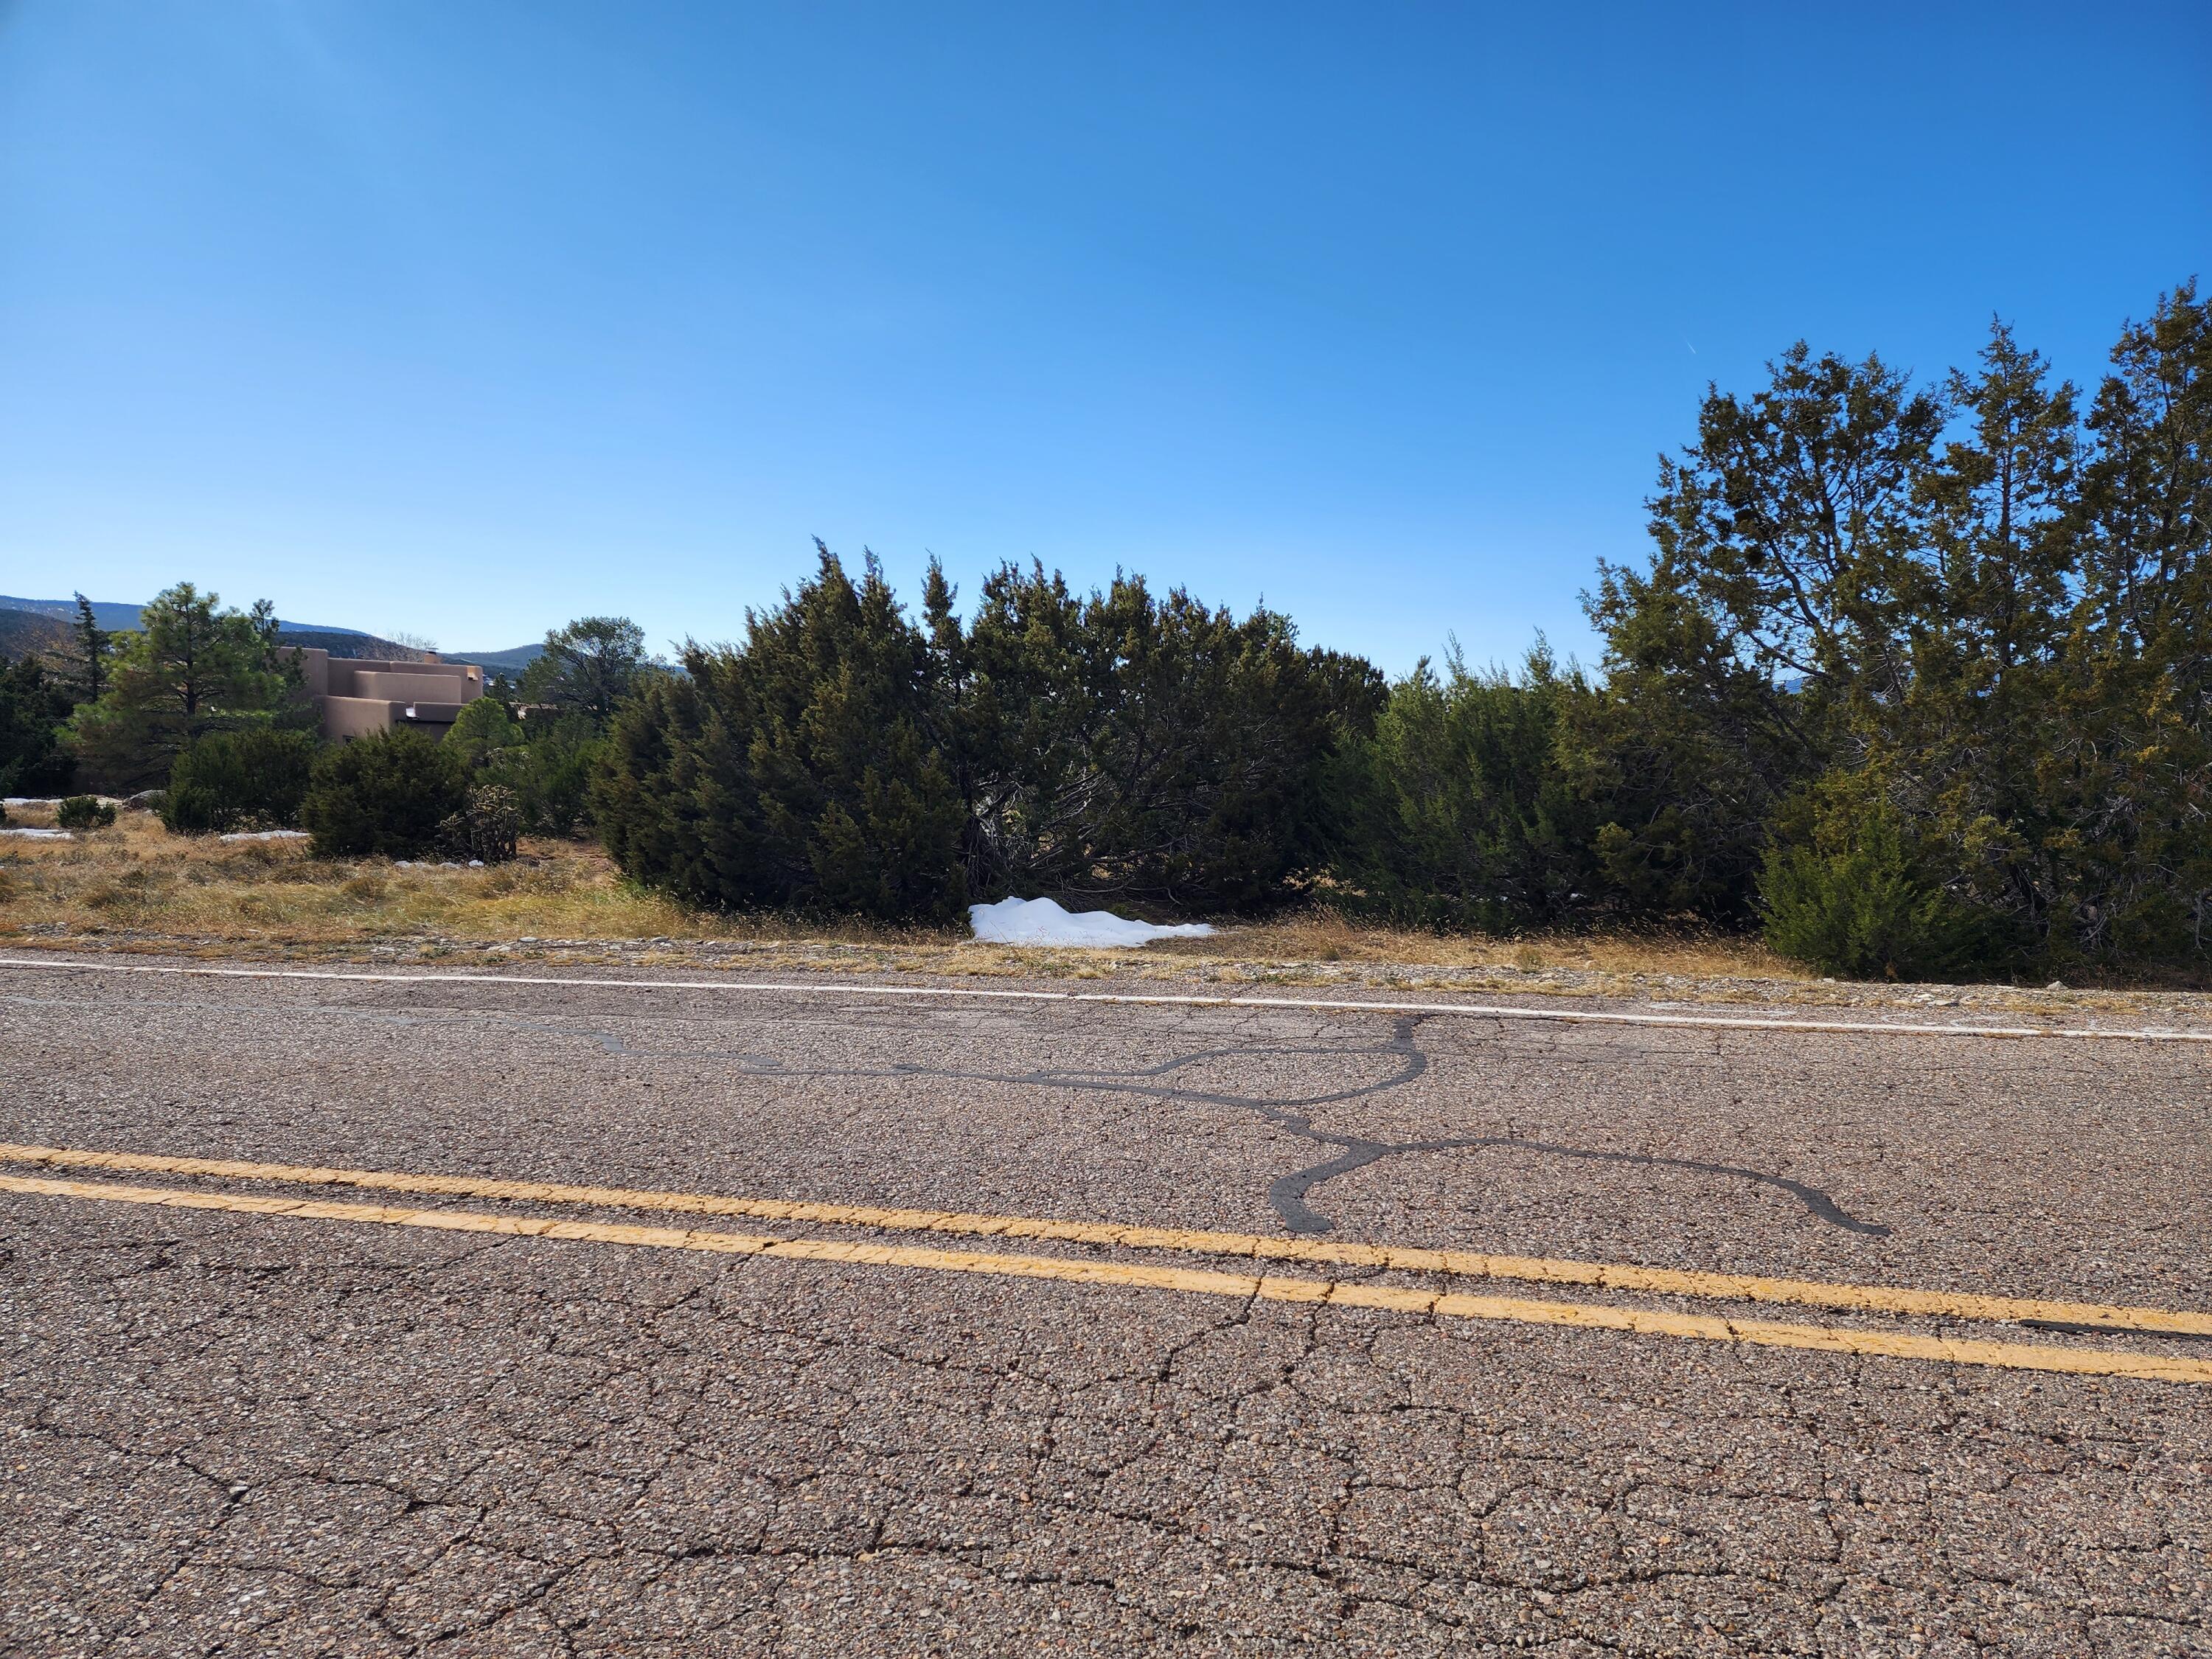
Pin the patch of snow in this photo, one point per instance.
(1041, 921)
(54, 801)
(264, 835)
(40, 835)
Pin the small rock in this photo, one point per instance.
(475, 864)
(2055, 984)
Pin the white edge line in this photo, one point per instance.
(1475, 1009)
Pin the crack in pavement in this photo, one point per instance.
(526, 1450)
(1287, 1193)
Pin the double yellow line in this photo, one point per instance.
(1267, 1287)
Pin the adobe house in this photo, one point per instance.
(356, 695)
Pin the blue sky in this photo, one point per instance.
(466, 319)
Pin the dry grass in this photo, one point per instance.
(136, 887)
(1326, 936)
(137, 880)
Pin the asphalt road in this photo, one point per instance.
(367, 1429)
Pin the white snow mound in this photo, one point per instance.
(1041, 921)
(33, 833)
(264, 835)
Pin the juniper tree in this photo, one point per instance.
(33, 705)
(796, 771)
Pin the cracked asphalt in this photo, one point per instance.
(240, 1433)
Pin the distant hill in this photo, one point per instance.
(511, 662)
(29, 632)
(28, 625)
(125, 618)
(345, 642)
(60, 613)
(109, 614)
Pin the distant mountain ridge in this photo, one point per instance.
(513, 662)
(106, 612)
(119, 619)
(49, 633)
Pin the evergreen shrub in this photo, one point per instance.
(255, 777)
(382, 796)
(1860, 908)
(84, 812)
(545, 763)
(799, 772)
(1119, 747)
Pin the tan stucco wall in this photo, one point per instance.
(347, 718)
(435, 682)
(358, 695)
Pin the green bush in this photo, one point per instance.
(482, 730)
(550, 776)
(84, 812)
(384, 795)
(1858, 907)
(256, 777)
(796, 772)
(1125, 747)
(1453, 811)
(545, 763)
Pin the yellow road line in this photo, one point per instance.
(1468, 1264)
(2012, 1356)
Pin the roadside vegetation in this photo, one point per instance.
(1914, 684)
(135, 885)
(139, 879)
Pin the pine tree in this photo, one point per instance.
(588, 667)
(193, 667)
(88, 673)
(2136, 759)
(1774, 612)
